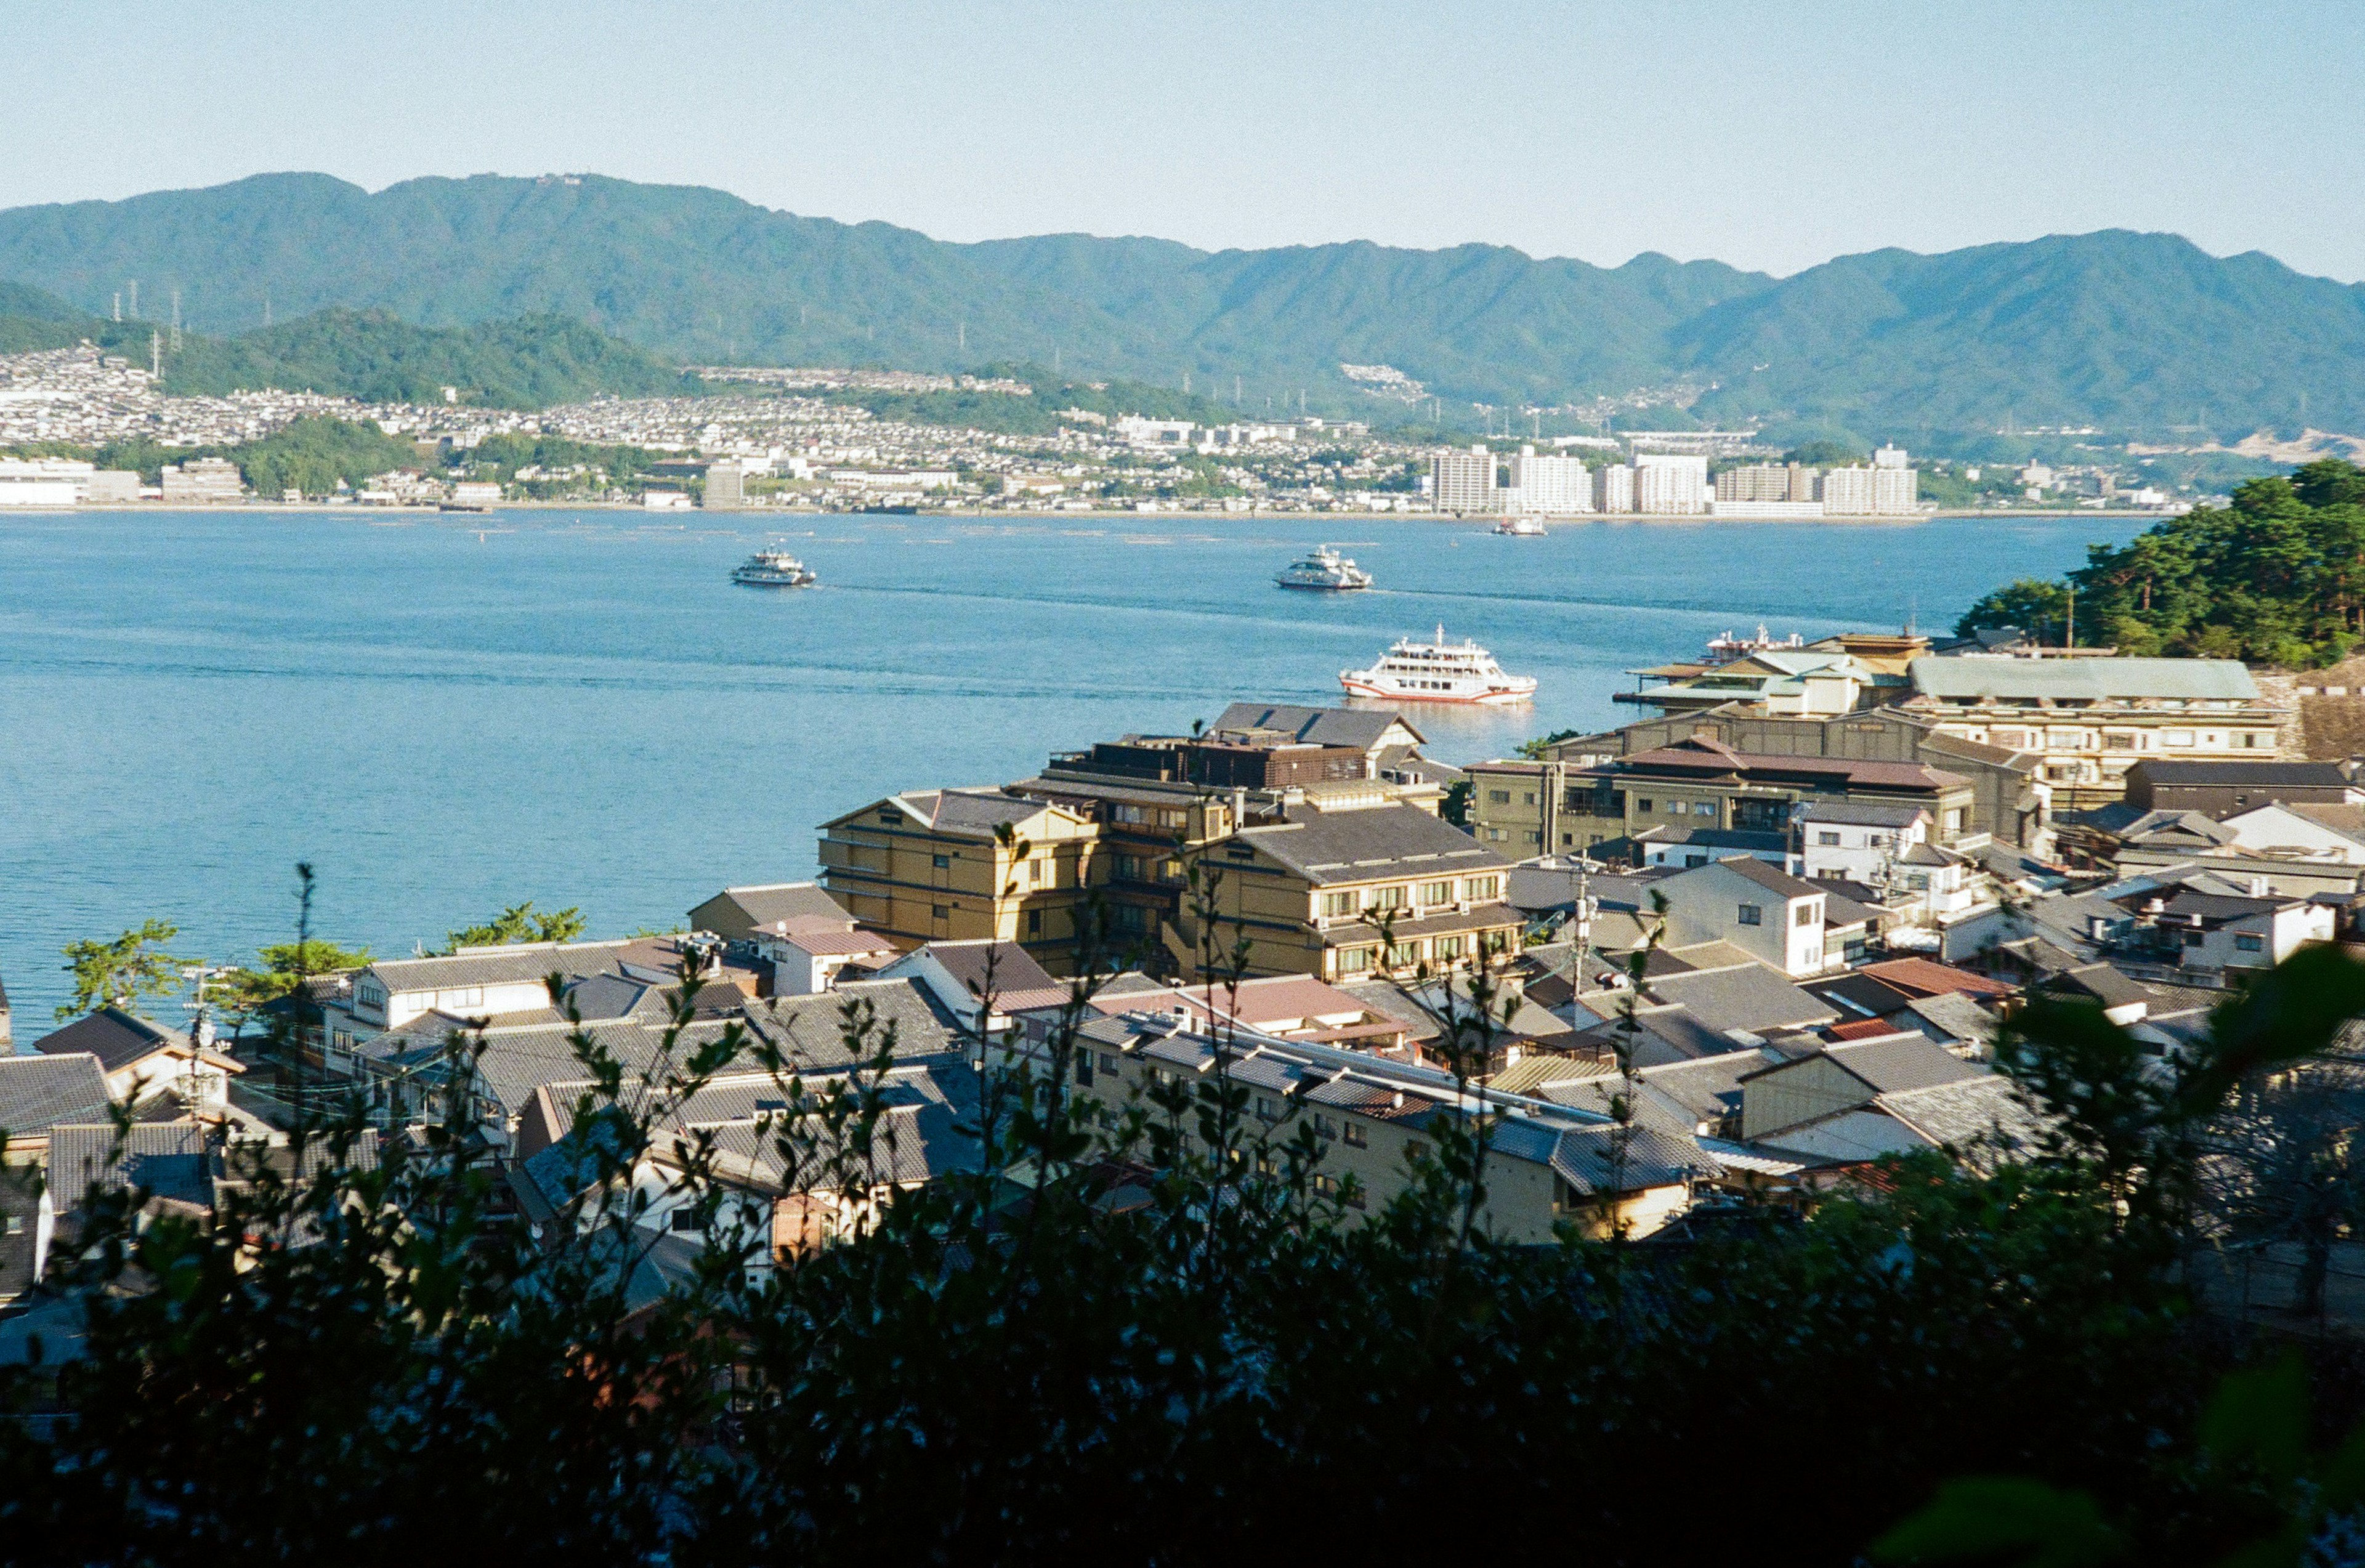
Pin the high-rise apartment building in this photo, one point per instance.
(1668, 482)
(1754, 482)
(726, 487)
(1464, 481)
(1895, 491)
(1550, 485)
(1613, 487)
(1847, 492)
(1889, 457)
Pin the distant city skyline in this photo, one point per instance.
(1772, 143)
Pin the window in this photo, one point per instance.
(942, 911)
(1084, 1069)
(2245, 942)
(2193, 939)
(1643, 803)
(687, 1219)
(1404, 955)
(342, 1039)
(1703, 808)
(1478, 887)
(1436, 892)
(2256, 741)
(1355, 1136)
(1528, 799)
(1387, 898)
(1268, 1108)
(1953, 820)
(1752, 914)
(1354, 960)
(1692, 860)
(1498, 797)
(1354, 1196)
(1415, 1151)
(1805, 915)
(2118, 743)
(1328, 1186)
(2177, 737)
(1678, 809)
(1448, 947)
(369, 993)
(1828, 840)
(1337, 903)
(1034, 922)
(941, 862)
(1323, 1127)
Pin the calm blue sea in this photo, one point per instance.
(447, 715)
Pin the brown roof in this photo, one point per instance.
(1703, 754)
(1927, 976)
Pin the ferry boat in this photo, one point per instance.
(1438, 672)
(774, 568)
(1521, 525)
(1725, 649)
(1324, 571)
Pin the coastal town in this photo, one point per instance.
(776, 440)
(1764, 939)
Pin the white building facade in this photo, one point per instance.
(1464, 481)
(1670, 483)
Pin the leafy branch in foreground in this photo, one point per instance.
(119, 972)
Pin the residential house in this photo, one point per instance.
(1855, 1102)
(957, 865)
(981, 985)
(1350, 882)
(142, 1060)
(1774, 917)
(739, 914)
(2214, 934)
(1549, 1165)
(1859, 840)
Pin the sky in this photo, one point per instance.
(1770, 135)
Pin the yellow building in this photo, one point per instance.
(944, 865)
(1309, 892)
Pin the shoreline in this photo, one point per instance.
(1261, 514)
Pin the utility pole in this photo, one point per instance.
(176, 320)
(2069, 629)
(155, 354)
(134, 284)
(119, 305)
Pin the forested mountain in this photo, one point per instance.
(529, 362)
(2131, 332)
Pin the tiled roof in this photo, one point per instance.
(1927, 976)
(116, 1038)
(1359, 727)
(1894, 1065)
(170, 1160)
(1374, 842)
(37, 1092)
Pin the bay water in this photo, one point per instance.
(445, 714)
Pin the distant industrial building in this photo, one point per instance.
(62, 482)
(201, 481)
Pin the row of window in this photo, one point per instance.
(1424, 895)
(1754, 914)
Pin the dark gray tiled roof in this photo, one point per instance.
(1892, 1066)
(1359, 727)
(785, 900)
(116, 1038)
(171, 1161)
(37, 1092)
(1754, 999)
(1013, 968)
(1377, 841)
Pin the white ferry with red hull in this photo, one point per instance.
(1438, 672)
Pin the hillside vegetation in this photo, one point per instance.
(527, 361)
(2277, 577)
(2127, 332)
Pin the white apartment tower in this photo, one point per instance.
(1614, 488)
(1670, 482)
(1464, 481)
(1847, 492)
(1557, 486)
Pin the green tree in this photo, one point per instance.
(519, 923)
(243, 992)
(2032, 604)
(117, 973)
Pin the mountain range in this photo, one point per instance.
(2130, 332)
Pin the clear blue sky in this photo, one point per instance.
(1770, 135)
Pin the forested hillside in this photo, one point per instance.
(2131, 332)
